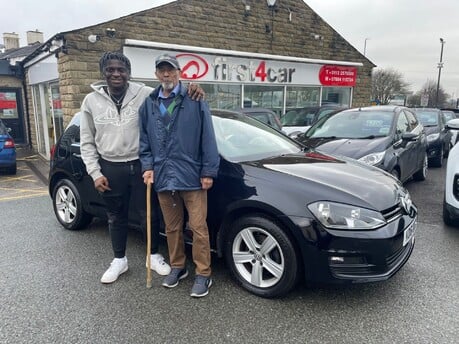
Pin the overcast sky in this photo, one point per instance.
(401, 34)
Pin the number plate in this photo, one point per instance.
(408, 234)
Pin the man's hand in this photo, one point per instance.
(101, 184)
(206, 183)
(149, 177)
(196, 92)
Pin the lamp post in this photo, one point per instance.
(440, 66)
(365, 47)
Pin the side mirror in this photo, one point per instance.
(409, 136)
(453, 124)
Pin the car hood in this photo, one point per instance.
(352, 148)
(324, 177)
(431, 130)
(293, 129)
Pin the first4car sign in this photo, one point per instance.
(204, 67)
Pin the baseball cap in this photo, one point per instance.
(166, 58)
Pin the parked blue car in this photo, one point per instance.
(7, 150)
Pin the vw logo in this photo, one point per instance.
(407, 204)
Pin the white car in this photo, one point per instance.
(451, 199)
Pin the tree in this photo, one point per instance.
(385, 84)
(429, 90)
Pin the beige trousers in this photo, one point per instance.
(172, 206)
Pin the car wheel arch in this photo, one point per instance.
(292, 259)
(69, 199)
(251, 209)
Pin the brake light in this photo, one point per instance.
(9, 143)
(52, 151)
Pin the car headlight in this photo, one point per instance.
(344, 216)
(373, 158)
(433, 137)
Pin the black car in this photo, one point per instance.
(297, 121)
(438, 136)
(267, 116)
(388, 137)
(278, 213)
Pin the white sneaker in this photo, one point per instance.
(117, 267)
(159, 265)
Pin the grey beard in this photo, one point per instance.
(167, 86)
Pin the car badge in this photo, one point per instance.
(407, 204)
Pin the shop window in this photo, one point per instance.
(223, 96)
(269, 97)
(336, 95)
(301, 97)
(11, 112)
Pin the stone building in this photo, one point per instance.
(243, 53)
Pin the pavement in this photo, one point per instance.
(38, 164)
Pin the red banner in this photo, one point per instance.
(7, 104)
(337, 75)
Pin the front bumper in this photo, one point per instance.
(358, 256)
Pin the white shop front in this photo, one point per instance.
(235, 79)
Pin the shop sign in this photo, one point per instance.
(337, 75)
(207, 67)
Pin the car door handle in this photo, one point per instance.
(76, 155)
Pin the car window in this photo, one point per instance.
(448, 115)
(299, 117)
(428, 118)
(353, 124)
(412, 120)
(244, 139)
(403, 124)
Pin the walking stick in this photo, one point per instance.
(148, 235)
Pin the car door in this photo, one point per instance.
(406, 150)
(445, 133)
(421, 144)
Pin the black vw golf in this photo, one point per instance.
(278, 213)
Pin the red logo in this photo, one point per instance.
(193, 66)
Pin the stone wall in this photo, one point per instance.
(296, 31)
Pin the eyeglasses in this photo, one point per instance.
(113, 70)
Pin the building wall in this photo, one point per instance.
(296, 31)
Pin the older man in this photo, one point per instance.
(179, 155)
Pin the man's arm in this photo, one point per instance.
(196, 92)
(88, 146)
(210, 157)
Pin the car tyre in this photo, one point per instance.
(13, 169)
(261, 256)
(68, 206)
(448, 218)
(421, 174)
(438, 160)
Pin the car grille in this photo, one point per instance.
(370, 271)
(393, 213)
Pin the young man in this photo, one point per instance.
(110, 150)
(179, 155)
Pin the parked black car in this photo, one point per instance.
(297, 121)
(264, 115)
(438, 137)
(388, 137)
(277, 213)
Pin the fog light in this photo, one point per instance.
(335, 259)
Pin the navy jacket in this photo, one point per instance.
(181, 152)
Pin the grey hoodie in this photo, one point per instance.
(107, 134)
